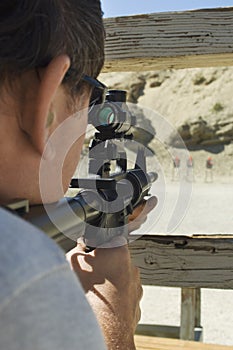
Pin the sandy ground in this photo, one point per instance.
(191, 208)
(209, 210)
(161, 306)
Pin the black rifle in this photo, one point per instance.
(101, 209)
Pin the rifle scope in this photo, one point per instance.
(114, 116)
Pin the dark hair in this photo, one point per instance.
(32, 32)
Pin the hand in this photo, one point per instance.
(112, 286)
(139, 215)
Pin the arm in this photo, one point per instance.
(113, 289)
(112, 285)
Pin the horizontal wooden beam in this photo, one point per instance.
(155, 343)
(180, 261)
(201, 38)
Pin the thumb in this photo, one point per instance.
(81, 246)
(78, 250)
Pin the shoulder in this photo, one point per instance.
(25, 252)
(40, 297)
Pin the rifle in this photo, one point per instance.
(108, 196)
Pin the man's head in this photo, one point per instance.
(46, 46)
(34, 32)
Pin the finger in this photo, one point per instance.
(72, 255)
(137, 210)
(81, 246)
(136, 224)
(150, 204)
(144, 208)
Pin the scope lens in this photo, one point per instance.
(106, 116)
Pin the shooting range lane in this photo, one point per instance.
(209, 210)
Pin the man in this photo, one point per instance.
(209, 170)
(46, 48)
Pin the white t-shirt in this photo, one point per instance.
(42, 304)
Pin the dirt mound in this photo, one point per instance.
(195, 102)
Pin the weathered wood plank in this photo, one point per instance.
(180, 261)
(189, 39)
(188, 313)
(154, 343)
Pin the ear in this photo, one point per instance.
(50, 80)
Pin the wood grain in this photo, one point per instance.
(153, 343)
(181, 261)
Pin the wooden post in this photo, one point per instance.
(198, 308)
(189, 313)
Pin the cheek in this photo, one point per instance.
(58, 168)
(73, 156)
(72, 160)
